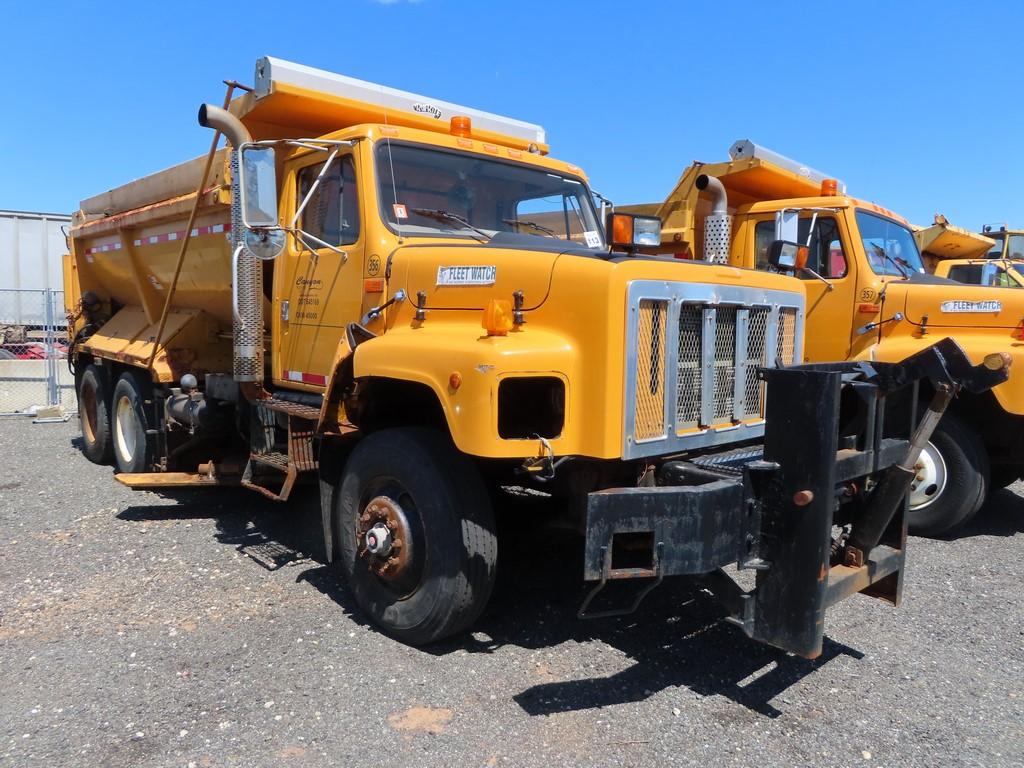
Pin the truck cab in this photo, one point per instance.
(1008, 243)
(869, 297)
(996, 273)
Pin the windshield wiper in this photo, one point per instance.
(532, 225)
(884, 254)
(438, 215)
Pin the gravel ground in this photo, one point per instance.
(139, 629)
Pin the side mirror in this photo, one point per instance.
(990, 274)
(787, 256)
(625, 230)
(257, 187)
(257, 184)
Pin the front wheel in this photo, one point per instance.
(416, 534)
(952, 479)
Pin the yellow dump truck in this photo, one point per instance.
(1006, 243)
(411, 303)
(941, 241)
(868, 298)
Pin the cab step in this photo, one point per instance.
(265, 468)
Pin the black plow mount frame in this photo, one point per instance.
(836, 435)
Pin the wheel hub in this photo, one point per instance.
(385, 538)
(125, 428)
(930, 478)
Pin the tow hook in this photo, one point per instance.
(543, 465)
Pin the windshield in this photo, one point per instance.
(997, 248)
(889, 246)
(426, 191)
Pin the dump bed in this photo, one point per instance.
(944, 241)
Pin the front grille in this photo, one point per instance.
(693, 359)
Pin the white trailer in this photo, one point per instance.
(31, 247)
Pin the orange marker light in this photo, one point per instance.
(622, 229)
(497, 320)
(455, 380)
(461, 126)
(829, 187)
(802, 254)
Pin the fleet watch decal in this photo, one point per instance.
(479, 275)
(971, 306)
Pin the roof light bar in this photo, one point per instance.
(270, 70)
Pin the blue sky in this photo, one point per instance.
(917, 106)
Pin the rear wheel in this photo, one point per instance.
(131, 449)
(952, 479)
(94, 412)
(416, 534)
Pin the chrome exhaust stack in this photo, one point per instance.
(246, 269)
(718, 224)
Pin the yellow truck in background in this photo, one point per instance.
(941, 241)
(413, 305)
(870, 298)
(1007, 243)
(996, 273)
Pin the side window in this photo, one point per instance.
(764, 233)
(332, 214)
(967, 273)
(1016, 247)
(827, 256)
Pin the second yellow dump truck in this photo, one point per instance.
(414, 305)
(870, 298)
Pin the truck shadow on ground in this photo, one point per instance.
(1001, 515)
(676, 638)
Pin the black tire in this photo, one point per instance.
(128, 425)
(94, 414)
(966, 483)
(442, 509)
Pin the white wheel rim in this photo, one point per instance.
(930, 480)
(125, 429)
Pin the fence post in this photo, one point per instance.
(52, 393)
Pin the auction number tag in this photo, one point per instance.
(480, 275)
(593, 239)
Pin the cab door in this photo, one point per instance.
(320, 288)
(830, 300)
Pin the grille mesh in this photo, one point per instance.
(650, 369)
(757, 350)
(689, 366)
(787, 335)
(725, 363)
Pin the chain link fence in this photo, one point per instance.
(34, 373)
